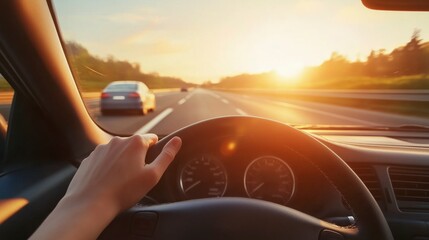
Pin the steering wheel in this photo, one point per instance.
(242, 218)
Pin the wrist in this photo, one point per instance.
(90, 215)
(94, 207)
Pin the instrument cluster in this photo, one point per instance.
(245, 166)
(265, 177)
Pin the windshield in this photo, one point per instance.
(331, 63)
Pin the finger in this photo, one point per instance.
(145, 142)
(150, 138)
(167, 155)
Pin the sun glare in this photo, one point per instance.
(290, 72)
(287, 77)
(269, 48)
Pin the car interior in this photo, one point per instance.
(324, 182)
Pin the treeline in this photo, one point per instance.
(94, 73)
(410, 59)
(405, 67)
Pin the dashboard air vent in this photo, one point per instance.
(369, 177)
(411, 187)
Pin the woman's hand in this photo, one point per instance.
(116, 173)
(112, 179)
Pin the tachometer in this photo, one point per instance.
(269, 178)
(203, 177)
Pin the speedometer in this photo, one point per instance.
(203, 177)
(269, 178)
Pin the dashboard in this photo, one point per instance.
(225, 167)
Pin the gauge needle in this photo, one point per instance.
(192, 186)
(257, 188)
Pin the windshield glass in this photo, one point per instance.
(121, 87)
(313, 63)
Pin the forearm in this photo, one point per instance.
(75, 218)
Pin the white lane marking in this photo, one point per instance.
(182, 101)
(189, 95)
(152, 123)
(323, 112)
(241, 112)
(224, 101)
(212, 94)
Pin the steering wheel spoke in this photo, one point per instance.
(224, 218)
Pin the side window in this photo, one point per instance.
(6, 96)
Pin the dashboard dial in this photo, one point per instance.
(203, 177)
(269, 178)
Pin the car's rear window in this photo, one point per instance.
(122, 87)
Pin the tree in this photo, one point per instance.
(90, 69)
(410, 59)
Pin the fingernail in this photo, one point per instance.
(176, 142)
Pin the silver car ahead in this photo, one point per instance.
(127, 95)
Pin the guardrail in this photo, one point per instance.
(388, 94)
(6, 97)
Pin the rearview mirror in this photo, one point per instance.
(397, 5)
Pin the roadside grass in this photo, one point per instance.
(407, 108)
(403, 82)
(91, 86)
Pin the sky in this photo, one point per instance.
(200, 40)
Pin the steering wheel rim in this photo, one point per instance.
(370, 222)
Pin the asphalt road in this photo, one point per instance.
(178, 109)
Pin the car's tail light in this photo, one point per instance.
(134, 95)
(105, 95)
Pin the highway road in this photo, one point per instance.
(178, 109)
